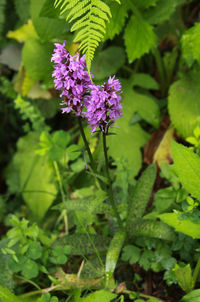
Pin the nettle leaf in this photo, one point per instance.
(119, 14)
(139, 38)
(191, 45)
(185, 226)
(34, 176)
(47, 28)
(107, 62)
(36, 57)
(141, 194)
(187, 167)
(184, 104)
(162, 11)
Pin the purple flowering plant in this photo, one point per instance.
(99, 104)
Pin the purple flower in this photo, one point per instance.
(71, 77)
(102, 105)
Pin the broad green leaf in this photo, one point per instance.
(22, 8)
(141, 195)
(23, 33)
(46, 28)
(193, 296)
(36, 57)
(187, 167)
(139, 38)
(7, 296)
(30, 269)
(164, 198)
(184, 277)
(6, 275)
(162, 11)
(152, 229)
(35, 250)
(184, 104)
(145, 3)
(185, 226)
(119, 14)
(107, 62)
(99, 295)
(83, 244)
(144, 80)
(191, 45)
(113, 253)
(49, 10)
(34, 176)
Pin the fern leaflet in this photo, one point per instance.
(89, 17)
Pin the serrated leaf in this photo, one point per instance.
(131, 253)
(187, 166)
(191, 45)
(185, 226)
(184, 277)
(119, 14)
(162, 11)
(36, 57)
(23, 33)
(107, 62)
(139, 38)
(184, 104)
(151, 229)
(141, 195)
(30, 269)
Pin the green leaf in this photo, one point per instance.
(35, 250)
(99, 295)
(184, 277)
(47, 28)
(30, 269)
(144, 80)
(113, 252)
(23, 9)
(193, 296)
(36, 57)
(131, 253)
(6, 275)
(107, 62)
(141, 195)
(139, 38)
(34, 174)
(191, 45)
(81, 244)
(185, 226)
(162, 11)
(187, 166)
(185, 94)
(7, 296)
(119, 14)
(152, 229)
(145, 3)
(164, 198)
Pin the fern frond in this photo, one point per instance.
(89, 17)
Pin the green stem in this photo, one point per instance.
(161, 70)
(196, 271)
(110, 192)
(86, 144)
(62, 194)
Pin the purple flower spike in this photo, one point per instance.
(71, 77)
(102, 105)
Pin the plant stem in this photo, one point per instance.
(161, 70)
(86, 144)
(62, 194)
(196, 271)
(110, 192)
